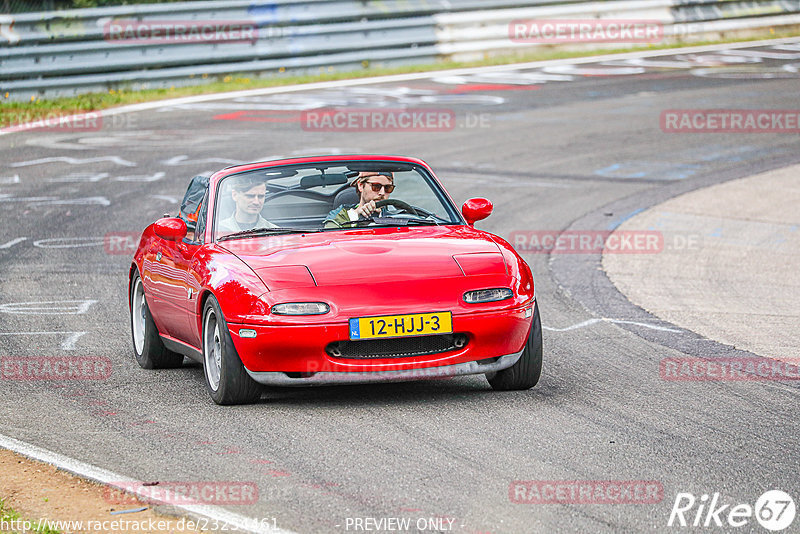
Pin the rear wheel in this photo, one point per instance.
(227, 380)
(148, 348)
(526, 372)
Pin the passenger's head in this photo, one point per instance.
(248, 195)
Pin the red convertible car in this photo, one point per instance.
(331, 270)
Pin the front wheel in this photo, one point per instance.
(526, 372)
(148, 348)
(227, 380)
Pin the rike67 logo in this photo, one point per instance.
(774, 510)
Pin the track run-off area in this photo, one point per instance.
(624, 428)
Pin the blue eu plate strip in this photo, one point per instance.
(355, 330)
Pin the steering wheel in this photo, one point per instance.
(399, 204)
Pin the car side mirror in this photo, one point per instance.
(170, 228)
(476, 209)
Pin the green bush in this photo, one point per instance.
(77, 4)
(27, 6)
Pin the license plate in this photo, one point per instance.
(417, 324)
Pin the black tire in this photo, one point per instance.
(227, 380)
(148, 348)
(526, 372)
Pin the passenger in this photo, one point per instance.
(248, 196)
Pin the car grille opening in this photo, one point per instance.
(402, 347)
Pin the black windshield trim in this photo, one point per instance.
(259, 232)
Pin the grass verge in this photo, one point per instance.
(11, 522)
(14, 113)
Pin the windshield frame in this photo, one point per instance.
(427, 175)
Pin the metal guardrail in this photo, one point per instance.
(62, 53)
(66, 52)
(472, 35)
(696, 11)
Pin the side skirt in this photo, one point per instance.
(182, 348)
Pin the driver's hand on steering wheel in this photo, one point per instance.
(367, 209)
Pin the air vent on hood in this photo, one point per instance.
(478, 263)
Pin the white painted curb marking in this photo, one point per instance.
(109, 478)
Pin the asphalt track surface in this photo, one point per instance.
(579, 150)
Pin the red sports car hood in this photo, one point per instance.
(347, 257)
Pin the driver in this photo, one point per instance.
(371, 187)
(248, 196)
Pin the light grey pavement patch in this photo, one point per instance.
(740, 285)
(224, 519)
(87, 201)
(68, 343)
(11, 198)
(141, 177)
(80, 177)
(170, 199)
(50, 307)
(590, 322)
(13, 242)
(184, 160)
(75, 161)
(69, 242)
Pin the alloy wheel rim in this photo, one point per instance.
(138, 316)
(212, 350)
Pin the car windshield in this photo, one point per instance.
(325, 196)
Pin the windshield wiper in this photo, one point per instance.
(268, 231)
(422, 221)
(388, 222)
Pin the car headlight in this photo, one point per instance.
(301, 308)
(488, 295)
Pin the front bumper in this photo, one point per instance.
(299, 349)
(364, 377)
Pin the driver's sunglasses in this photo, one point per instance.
(376, 186)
